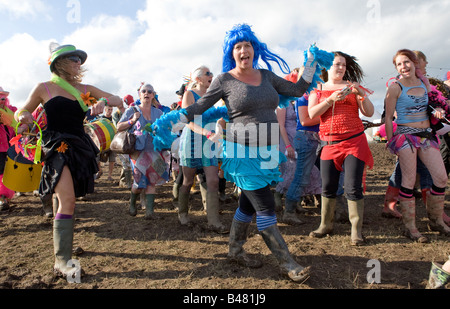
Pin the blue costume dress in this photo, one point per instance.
(196, 151)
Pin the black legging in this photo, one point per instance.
(259, 201)
(354, 171)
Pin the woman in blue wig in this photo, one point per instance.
(251, 155)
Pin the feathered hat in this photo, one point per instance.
(5, 93)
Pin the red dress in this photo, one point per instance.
(343, 131)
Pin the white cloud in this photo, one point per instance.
(24, 8)
(167, 39)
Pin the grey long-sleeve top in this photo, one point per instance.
(251, 109)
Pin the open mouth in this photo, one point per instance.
(245, 59)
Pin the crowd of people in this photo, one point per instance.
(314, 145)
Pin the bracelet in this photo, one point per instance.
(130, 122)
(288, 146)
(209, 134)
(104, 100)
(21, 112)
(328, 103)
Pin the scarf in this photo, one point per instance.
(70, 89)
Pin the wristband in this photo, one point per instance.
(130, 122)
(21, 112)
(288, 146)
(209, 134)
(104, 100)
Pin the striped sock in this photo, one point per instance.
(405, 193)
(242, 217)
(263, 221)
(437, 191)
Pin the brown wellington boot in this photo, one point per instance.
(408, 209)
(435, 210)
(212, 213)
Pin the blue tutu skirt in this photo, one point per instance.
(251, 167)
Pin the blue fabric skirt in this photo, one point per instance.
(196, 151)
(251, 167)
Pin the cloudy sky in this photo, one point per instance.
(160, 41)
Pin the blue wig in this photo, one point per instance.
(241, 33)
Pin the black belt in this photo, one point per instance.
(324, 143)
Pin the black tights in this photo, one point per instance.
(354, 171)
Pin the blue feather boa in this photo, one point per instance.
(324, 60)
(161, 129)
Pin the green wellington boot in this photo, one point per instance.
(288, 266)
(238, 237)
(438, 277)
(63, 243)
(149, 207)
(326, 219)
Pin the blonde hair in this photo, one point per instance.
(196, 74)
(420, 55)
(155, 102)
(61, 70)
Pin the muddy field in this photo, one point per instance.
(124, 252)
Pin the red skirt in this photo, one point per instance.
(357, 146)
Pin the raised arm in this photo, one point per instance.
(113, 100)
(211, 97)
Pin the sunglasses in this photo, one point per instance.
(75, 59)
(147, 91)
(209, 74)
